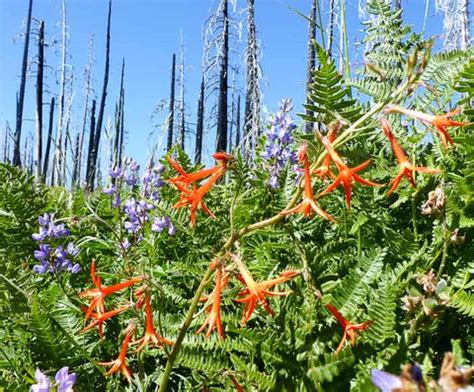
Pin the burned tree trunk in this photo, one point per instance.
(118, 120)
(90, 150)
(171, 104)
(221, 139)
(332, 18)
(200, 125)
(252, 95)
(39, 103)
(93, 163)
(49, 139)
(311, 59)
(21, 93)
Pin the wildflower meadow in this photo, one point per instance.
(325, 247)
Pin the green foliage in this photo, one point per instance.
(410, 274)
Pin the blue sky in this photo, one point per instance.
(146, 33)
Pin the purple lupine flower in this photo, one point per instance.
(42, 253)
(60, 253)
(64, 380)
(43, 384)
(72, 250)
(45, 219)
(278, 148)
(58, 231)
(163, 223)
(385, 382)
(109, 190)
(74, 268)
(116, 201)
(116, 173)
(42, 268)
(43, 233)
(126, 244)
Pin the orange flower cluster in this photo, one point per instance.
(440, 122)
(187, 183)
(98, 295)
(406, 168)
(349, 329)
(253, 294)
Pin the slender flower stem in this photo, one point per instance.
(236, 235)
(447, 236)
(184, 328)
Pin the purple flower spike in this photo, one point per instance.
(116, 173)
(171, 229)
(116, 201)
(42, 253)
(41, 269)
(110, 190)
(45, 219)
(43, 233)
(65, 380)
(384, 381)
(43, 384)
(279, 143)
(72, 250)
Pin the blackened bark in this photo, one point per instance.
(100, 117)
(332, 17)
(221, 139)
(118, 120)
(171, 104)
(200, 125)
(21, 94)
(49, 139)
(39, 102)
(90, 150)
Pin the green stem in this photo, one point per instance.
(184, 328)
(413, 216)
(444, 258)
(236, 235)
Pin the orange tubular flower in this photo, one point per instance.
(440, 122)
(308, 206)
(99, 319)
(99, 293)
(119, 363)
(150, 332)
(346, 175)
(324, 170)
(406, 169)
(349, 329)
(193, 197)
(213, 320)
(257, 292)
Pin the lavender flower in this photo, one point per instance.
(385, 382)
(43, 384)
(279, 142)
(163, 223)
(53, 260)
(64, 380)
(116, 172)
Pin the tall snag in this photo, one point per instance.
(39, 102)
(199, 125)
(118, 120)
(21, 94)
(171, 104)
(252, 123)
(49, 139)
(98, 130)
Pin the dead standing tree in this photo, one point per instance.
(199, 125)
(39, 103)
(170, 120)
(221, 28)
(49, 139)
(119, 114)
(21, 94)
(222, 115)
(92, 167)
(77, 168)
(252, 115)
